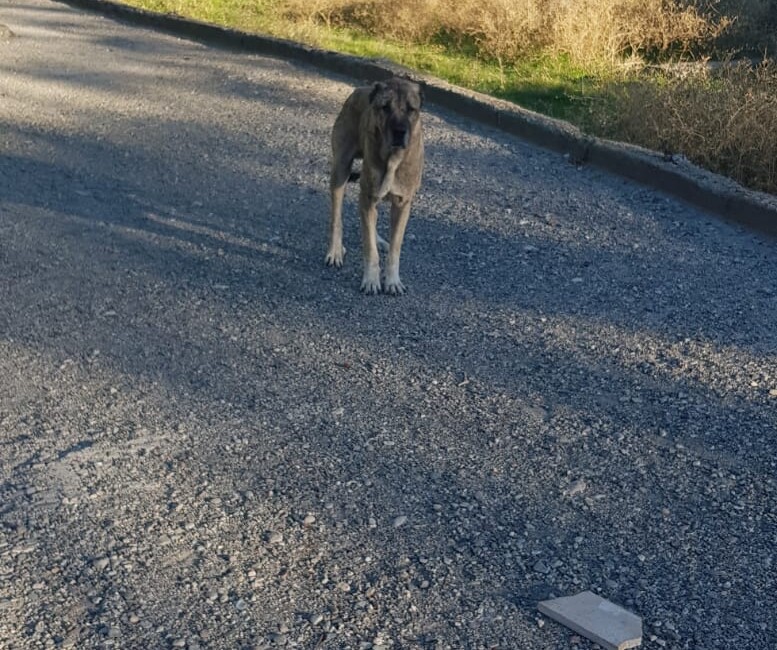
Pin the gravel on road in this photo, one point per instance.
(210, 440)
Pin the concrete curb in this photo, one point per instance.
(675, 176)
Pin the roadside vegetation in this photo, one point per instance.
(691, 77)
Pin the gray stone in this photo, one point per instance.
(541, 567)
(275, 538)
(578, 487)
(597, 619)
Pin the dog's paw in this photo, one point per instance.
(335, 257)
(370, 288)
(394, 287)
(371, 283)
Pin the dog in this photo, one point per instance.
(381, 125)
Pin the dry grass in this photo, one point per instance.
(723, 119)
(644, 29)
(587, 31)
(754, 25)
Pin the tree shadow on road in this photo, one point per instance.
(169, 305)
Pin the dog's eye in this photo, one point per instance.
(386, 108)
(411, 109)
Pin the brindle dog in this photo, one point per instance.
(381, 124)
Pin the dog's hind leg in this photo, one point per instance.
(341, 169)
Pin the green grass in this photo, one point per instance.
(550, 85)
(545, 85)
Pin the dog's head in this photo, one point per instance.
(397, 105)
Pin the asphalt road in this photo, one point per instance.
(208, 439)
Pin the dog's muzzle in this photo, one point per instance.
(400, 137)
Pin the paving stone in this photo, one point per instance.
(597, 619)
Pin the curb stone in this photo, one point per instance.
(672, 175)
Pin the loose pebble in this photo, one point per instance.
(275, 538)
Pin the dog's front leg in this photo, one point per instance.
(368, 210)
(400, 213)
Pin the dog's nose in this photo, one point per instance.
(400, 136)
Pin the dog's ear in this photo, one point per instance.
(378, 87)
